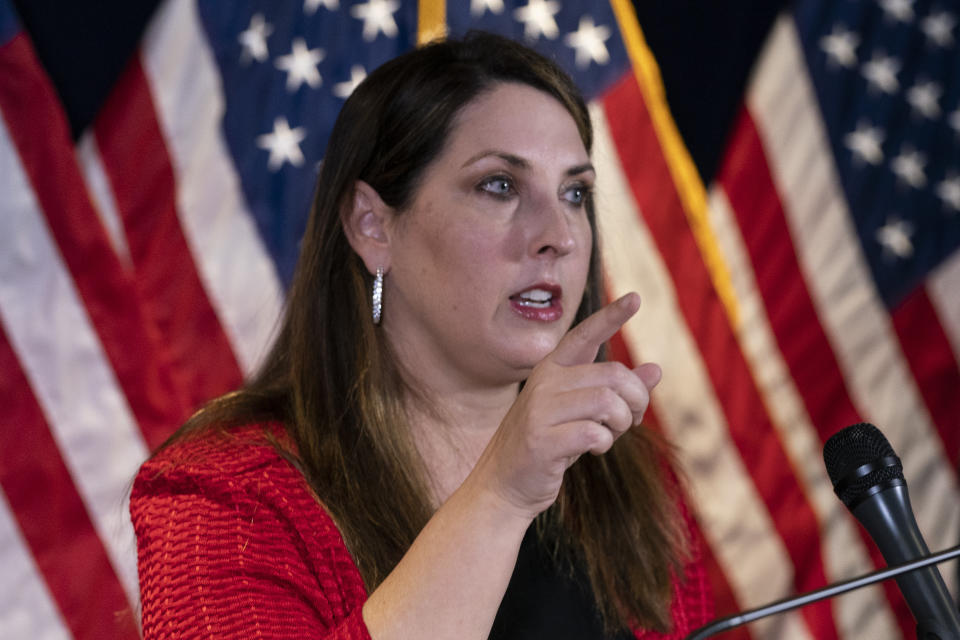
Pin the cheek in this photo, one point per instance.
(585, 242)
(459, 264)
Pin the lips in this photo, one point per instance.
(540, 302)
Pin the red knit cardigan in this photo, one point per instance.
(232, 544)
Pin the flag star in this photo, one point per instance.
(344, 89)
(254, 39)
(301, 66)
(310, 6)
(881, 72)
(377, 16)
(841, 46)
(908, 166)
(894, 237)
(283, 144)
(866, 143)
(480, 7)
(537, 19)
(949, 192)
(589, 40)
(900, 10)
(924, 97)
(938, 27)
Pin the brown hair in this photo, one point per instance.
(332, 381)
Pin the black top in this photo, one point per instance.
(546, 601)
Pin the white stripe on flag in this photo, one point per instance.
(735, 519)
(854, 318)
(865, 611)
(64, 363)
(28, 610)
(98, 185)
(234, 266)
(943, 289)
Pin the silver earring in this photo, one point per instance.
(378, 296)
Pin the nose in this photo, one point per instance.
(553, 232)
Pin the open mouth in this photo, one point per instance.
(539, 302)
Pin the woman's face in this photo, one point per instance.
(489, 263)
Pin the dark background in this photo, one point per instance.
(704, 49)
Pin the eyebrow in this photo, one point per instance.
(520, 163)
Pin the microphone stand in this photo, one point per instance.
(736, 620)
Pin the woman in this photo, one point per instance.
(426, 401)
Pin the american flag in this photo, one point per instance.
(814, 283)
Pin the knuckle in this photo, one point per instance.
(617, 370)
(603, 400)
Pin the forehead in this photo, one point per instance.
(517, 118)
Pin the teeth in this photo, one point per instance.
(535, 298)
(536, 295)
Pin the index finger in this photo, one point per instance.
(581, 344)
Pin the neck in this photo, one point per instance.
(452, 413)
(454, 429)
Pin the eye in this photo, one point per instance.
(577, 194)
(500, 186)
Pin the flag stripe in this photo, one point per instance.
(28, 608)
(749, 186)
(927, 351)
(98, 186)
(76, 387)
(135, 158)
(38, 130)
(845, 551)
(782, 103)
(234, 266)
(32, 466)
(742, 539)
(747, 420)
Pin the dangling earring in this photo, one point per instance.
(378, 296)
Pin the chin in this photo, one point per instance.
(531, 356)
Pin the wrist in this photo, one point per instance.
(492, 505)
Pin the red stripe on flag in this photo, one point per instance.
(746, 179)
(749, 185)
(39, 130)
(750, 427)
(931, 360)
(137, 163)
(46, 504)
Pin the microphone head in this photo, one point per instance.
(861, 462)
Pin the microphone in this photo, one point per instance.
(867, 476)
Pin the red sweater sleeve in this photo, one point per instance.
(231, 544)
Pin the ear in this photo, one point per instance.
(365, 221)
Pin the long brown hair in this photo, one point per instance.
(332, 381)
